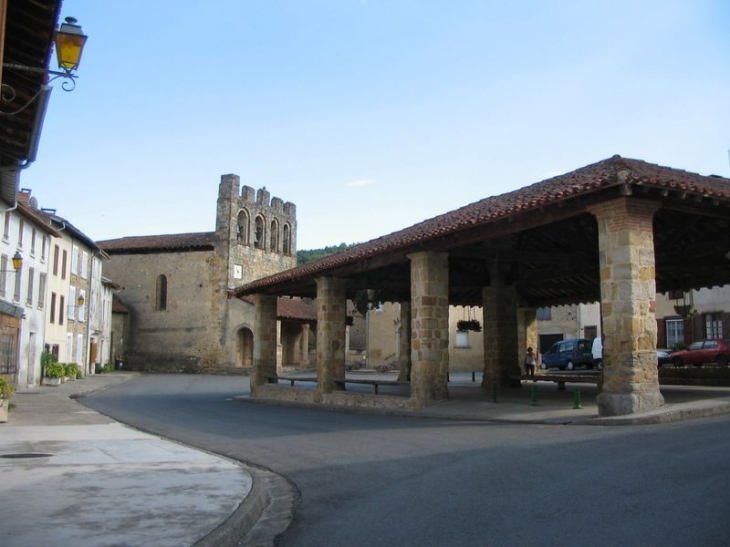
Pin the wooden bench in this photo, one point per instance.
(292, 379)
(375, 382)
(560, 379)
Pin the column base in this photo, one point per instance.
(618, 404)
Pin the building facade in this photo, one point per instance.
(175, 288)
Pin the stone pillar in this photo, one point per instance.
(405, 342)
(264, 347)
(429, 327)
(501, 348)
(304, 346)
(628, 305)
(526, 333)
(331, 318)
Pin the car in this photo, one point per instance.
(663, 356)
(568, 354)
(700, 352)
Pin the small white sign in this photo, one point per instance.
(237, 271)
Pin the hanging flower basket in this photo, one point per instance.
(471, 324)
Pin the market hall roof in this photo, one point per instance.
(544, 236)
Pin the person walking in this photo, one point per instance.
(530, 362)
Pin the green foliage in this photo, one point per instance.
(6, 388)
(471, 324)
(72, 370)
(47, 358)
(55, 370)
(108, 367)
(314, 254)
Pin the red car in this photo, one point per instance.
(713, 350)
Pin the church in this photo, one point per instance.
(176, 288)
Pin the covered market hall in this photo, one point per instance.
(616, 232)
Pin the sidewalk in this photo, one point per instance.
(71, 476)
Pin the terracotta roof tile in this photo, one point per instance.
(614, 171)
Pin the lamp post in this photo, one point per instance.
(17, 263)
(69, 40)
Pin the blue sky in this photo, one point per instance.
(371, 115)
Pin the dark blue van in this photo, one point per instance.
(568, 354)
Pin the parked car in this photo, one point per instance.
(712, 350)
(663, 356)
(568, 354)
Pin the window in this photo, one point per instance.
(675, 331)
(3, 274)
(69, 346)
(18, 281)
(44, 241)
(82, 308)
(33, 236)
(462, 339)
(713, 325)
(675, 295)
(544, 314)
(259, 233)
(274, 246)
(84, 265)
(56, 250)
(286, 241)
(31, 280)
(6, 229)
(242, 233)
(79, 349)
(75, 260)
(21, 229)
(71, 302)
(161, 293)
(61, 308)
(52, 314)
(64, 263)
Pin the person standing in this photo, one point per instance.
(530, 362)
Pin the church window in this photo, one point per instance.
(286, 240)
(242, 227)
(274, 236)
(259, 233)
(161, 293)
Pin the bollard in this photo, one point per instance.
(493, 389)
(576, 399)
(533, 396)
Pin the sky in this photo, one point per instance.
(371, 115)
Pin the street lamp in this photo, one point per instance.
(17, 263)
(69, 40)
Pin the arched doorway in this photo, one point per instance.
(244, 348)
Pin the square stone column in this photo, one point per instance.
(628, 305)
(526, 333)
(501, 342)
(404, 342)
(264, 346)
(429, 327)
(331, 330)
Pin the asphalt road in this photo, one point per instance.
(390, 481)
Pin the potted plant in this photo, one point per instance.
(6, 391)
(72, 371)
(470, 324)
(54, 373)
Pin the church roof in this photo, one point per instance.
(199, 241)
